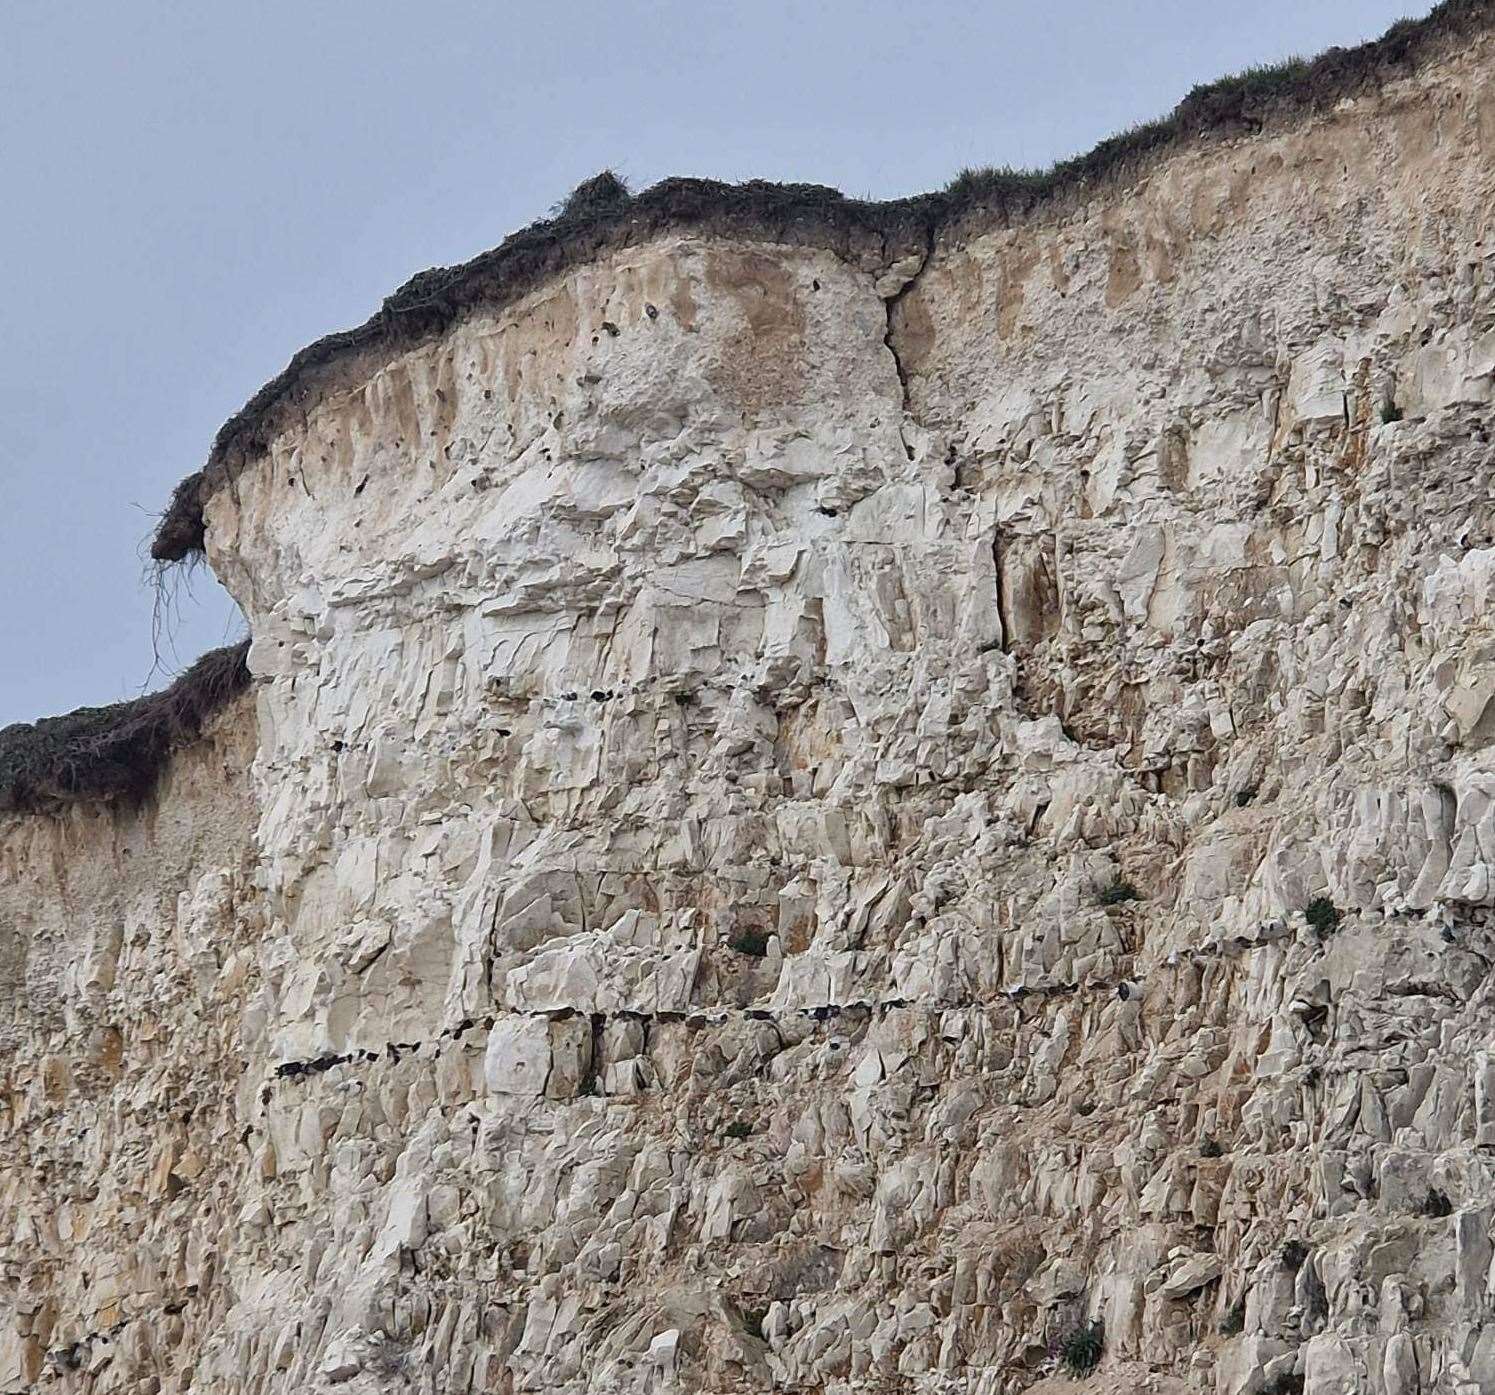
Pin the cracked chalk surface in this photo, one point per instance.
(662, 919)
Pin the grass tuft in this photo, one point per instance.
(604, 192)
(1082, 1346)
(1322, 916)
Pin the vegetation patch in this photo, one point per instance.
(1080, 1348)
(1322, 915)
(114, 753)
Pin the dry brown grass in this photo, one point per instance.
(114, 753)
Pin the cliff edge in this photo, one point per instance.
(833, 798)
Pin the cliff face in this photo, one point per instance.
(661, 921)
(130, 948)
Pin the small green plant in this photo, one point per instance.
(1234, 1320)
(1118, 892)
(753, 1320)
(753, 943)
(1435, 1204)
(1080, 1348)
(1210, 1148)
(1322, 915)
(739, 1128)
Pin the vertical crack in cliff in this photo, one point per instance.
(1001, 589)
(891, 303)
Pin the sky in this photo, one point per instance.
(189, 192)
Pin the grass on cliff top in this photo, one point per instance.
(1243, 98)
(116, 752)
(602, 212)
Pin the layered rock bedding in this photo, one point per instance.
(830, 798)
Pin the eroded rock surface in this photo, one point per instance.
(674, 932)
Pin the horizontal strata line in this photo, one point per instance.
(394, 1052)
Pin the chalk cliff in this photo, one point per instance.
(852, 802)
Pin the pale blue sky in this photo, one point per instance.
(191, 191)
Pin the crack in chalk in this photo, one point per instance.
(891, 304)
(996, 561)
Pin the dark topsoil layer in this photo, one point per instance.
(601, 214)
(117, 753)
(114, 753)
